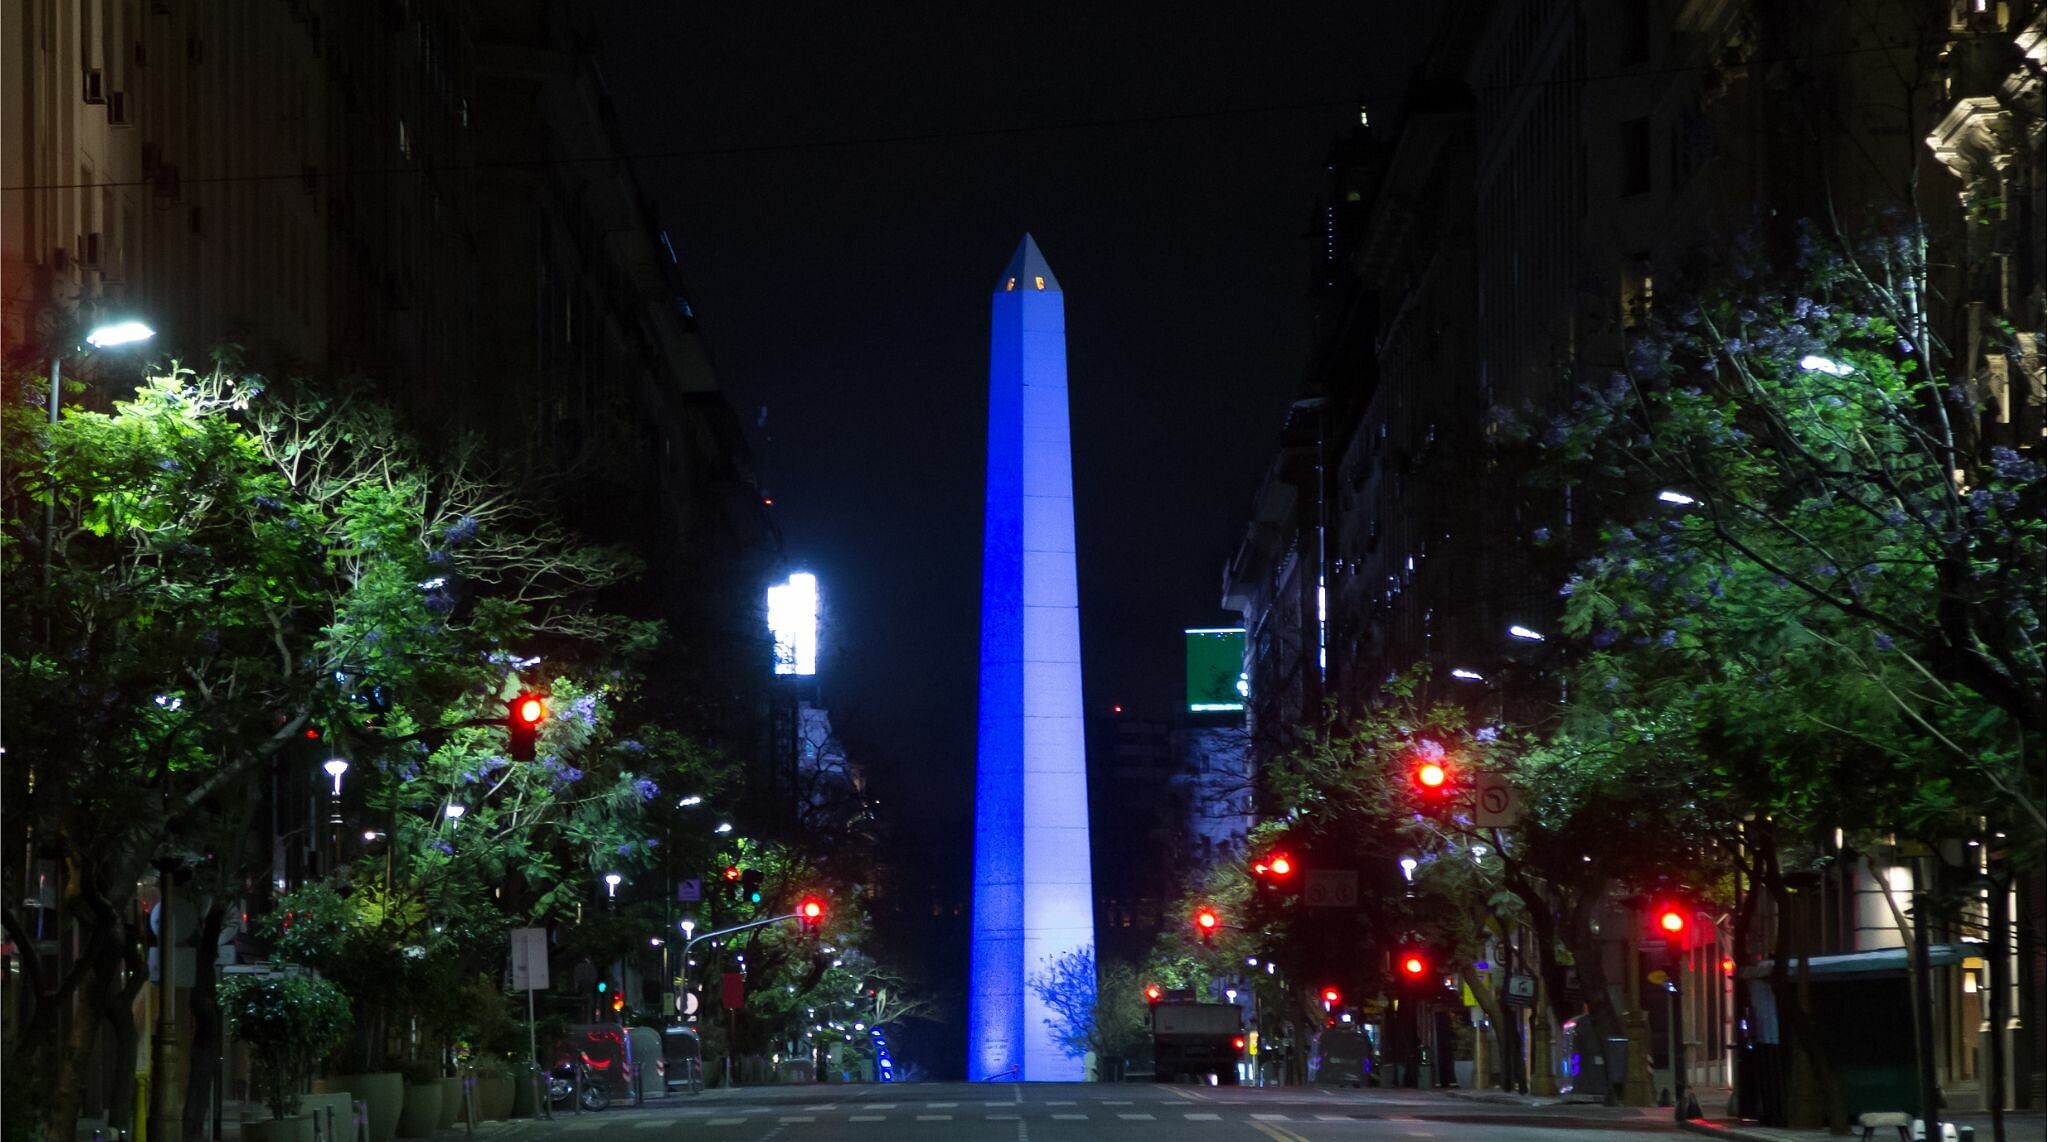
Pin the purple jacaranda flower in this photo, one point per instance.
(646, 788)
(444, 847)
(460, 532)
(1487, 734)
(1669, 638)
(1605, 637)
(1884, 642)
(1542, 535)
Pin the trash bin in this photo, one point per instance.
(1616, 1051)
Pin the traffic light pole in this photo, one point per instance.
(693, 940)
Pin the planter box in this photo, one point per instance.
(422, 1110)
(382, 1093)
(298, 1128)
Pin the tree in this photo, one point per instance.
(1099, 1010)
(230, 567)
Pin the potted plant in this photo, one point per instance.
(288, 1022)
(422, 1109)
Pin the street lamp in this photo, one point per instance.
(101, 337)
(611, 884)
(335, 767)
(454, 812)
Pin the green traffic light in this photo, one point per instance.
(602, 987)
(753, 898)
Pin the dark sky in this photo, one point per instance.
(843, 184)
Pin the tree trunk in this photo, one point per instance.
(1504, 1027)
(120, 1016)
(1802, 1035)
(97, 974)
(1586, 951)
(202, 1058)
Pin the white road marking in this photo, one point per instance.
(940, 1105)
(1135, 1117)
(1270, 1118)
(1203, 1117)
(881, 1106)
(1006, 1118)
(1070, 1117)
(723, 1121)
(798, 1118)
(867, 1118)
(935, 1118)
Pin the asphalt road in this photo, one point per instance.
(1044, 1112)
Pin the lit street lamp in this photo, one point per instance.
(335, 767)
(102, 337)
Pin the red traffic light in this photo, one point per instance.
(731, 872)
(618, 1002)
(1331, 996)
(811, 910)
(1413, 965)
(1280, 864)
(810, 914)
(523, 716)
(1671, 920)
(1205, 919)
(1431, 775)
(1153, 993)
(1237, 1042)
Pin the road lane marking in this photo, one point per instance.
(881, 1106)
(1192, 1117)
(723, 1121)
(867, 1118)
(1135, 1117)
(798, 1118)
(1060, 1102)
(1006, 1118)
(1116, 1102)
(935, 1118)
(940, 1105)
(1070, 1118)
(1269, 1118)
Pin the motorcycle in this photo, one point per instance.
(571, 1076)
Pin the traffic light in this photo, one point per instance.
(523, 716)
(750, 885)
(1154, 993)
(1413, 965)
(1431, 773)
(1330, 997)
(1274, 870)
(618, 1002)
(1671, 922)
(810, 915)
(1206, 924)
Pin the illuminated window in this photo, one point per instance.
(1010, 285)
(1040, 281)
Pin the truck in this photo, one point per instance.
(1197, 1040)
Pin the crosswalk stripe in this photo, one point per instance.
(867, 1118)
(723, 1121)
(1269, 1118)
(1070, 1118)
(798, 1118)
(1135, 1117)
(1203, 1117)
(935, 1118)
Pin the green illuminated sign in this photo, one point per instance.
(1216, 678)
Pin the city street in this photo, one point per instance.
(1056, 1112)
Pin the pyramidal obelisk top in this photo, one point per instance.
(1027, 271)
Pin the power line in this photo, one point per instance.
(959, 134)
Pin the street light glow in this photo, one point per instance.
(1679, 498)
(335, 767)
(1814, 363)
(1524, 633)
(119, 333)
(723, 827)
(1468, 675)
(455, 810)
(692, 799)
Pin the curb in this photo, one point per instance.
(1714, 1129)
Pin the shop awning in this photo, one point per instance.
(1881, 961)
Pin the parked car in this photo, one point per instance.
(681, 1054)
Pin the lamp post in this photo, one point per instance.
(335, 767)
(102, 337)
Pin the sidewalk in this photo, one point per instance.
(2020, 1125)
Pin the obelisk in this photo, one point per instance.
(1033, 900)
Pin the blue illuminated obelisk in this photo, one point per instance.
(1033, 900)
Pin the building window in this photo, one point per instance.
(1633, 153)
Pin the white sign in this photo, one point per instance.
(530, 959)
(1497, 806)
(1330, 888)
(1522, 986)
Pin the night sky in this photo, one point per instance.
(843, 184)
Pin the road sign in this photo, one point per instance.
(1330, 888)
(1520, 991)
(530, 959)
(1497, 806)
(690, 891)
(733, 993)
